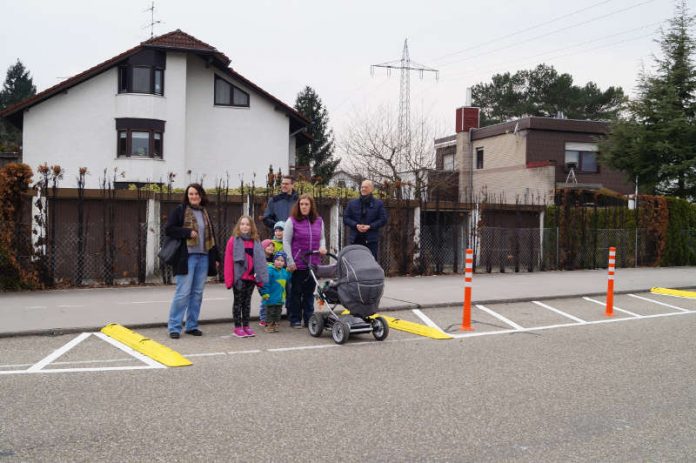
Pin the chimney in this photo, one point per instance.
(467, 118)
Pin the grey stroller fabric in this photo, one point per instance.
(360, 280)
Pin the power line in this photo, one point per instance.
(587, 42)
(562, 29)
(456, 76)
(536, 26)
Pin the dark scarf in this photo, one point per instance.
(364, 204)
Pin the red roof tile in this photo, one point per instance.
(180, 40)
(175, 40)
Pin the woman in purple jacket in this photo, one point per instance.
(304, 232)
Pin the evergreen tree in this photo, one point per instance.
(17, 87)
(542, 91)
(319, 153)
(656, 141)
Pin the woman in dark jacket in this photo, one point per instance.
(198, 257)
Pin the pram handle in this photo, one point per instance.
(309, 253)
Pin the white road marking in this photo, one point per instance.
(75, 370)
(73, 362)
(618, 309)
(253, 351)
(660, 303)
(36, 307)
(565, 325)
(675, 295)
(560, 312)
(70, 306)
(78, 362)
(58, 352)
(287, 349)
(500, 317)
(37, 367)
(143, 358)
(16, 365)
(427, 320)
(209, 354)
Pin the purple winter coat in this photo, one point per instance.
(306, 236)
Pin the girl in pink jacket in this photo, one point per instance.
(245, 268)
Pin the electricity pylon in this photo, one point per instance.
(406, 66)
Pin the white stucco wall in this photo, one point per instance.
(74, 129)
(170, 108)
(78, 128)
(237, 141)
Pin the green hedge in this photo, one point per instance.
(680, 243)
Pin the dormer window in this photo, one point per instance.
(143, 73)
(227, 94)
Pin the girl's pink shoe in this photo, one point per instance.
(239, 332)
(249, 332)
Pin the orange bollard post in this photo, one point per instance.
(610, 282)
(468, 273)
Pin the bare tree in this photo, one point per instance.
(373, 149)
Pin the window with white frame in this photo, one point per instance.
(582, 157)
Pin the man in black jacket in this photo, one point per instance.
(280, 205)
(365, 216)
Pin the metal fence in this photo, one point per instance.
(534, 249)
(87, 255)
(107, 243)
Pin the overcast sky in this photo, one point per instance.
(284, 45)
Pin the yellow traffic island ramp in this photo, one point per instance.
(414, 328)
(146, 346)
(674, 292)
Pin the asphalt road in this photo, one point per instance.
(595, 391)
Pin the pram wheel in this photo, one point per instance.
(316, 324)
(380, 328)
(340, 332)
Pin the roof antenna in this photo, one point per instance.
(152, 19)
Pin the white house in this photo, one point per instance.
(342, 178)
(170, 104)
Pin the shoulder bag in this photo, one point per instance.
(169, 250)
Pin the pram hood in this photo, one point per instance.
(360, 280)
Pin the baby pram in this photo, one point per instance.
(358, 287)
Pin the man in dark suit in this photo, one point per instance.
(365, 216)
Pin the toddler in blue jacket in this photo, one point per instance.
(273, 293)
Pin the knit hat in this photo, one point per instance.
(280, 254)
(265, 243)
(280, 224)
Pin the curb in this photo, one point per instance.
(395, 308)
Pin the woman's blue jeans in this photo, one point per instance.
(189, 294)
